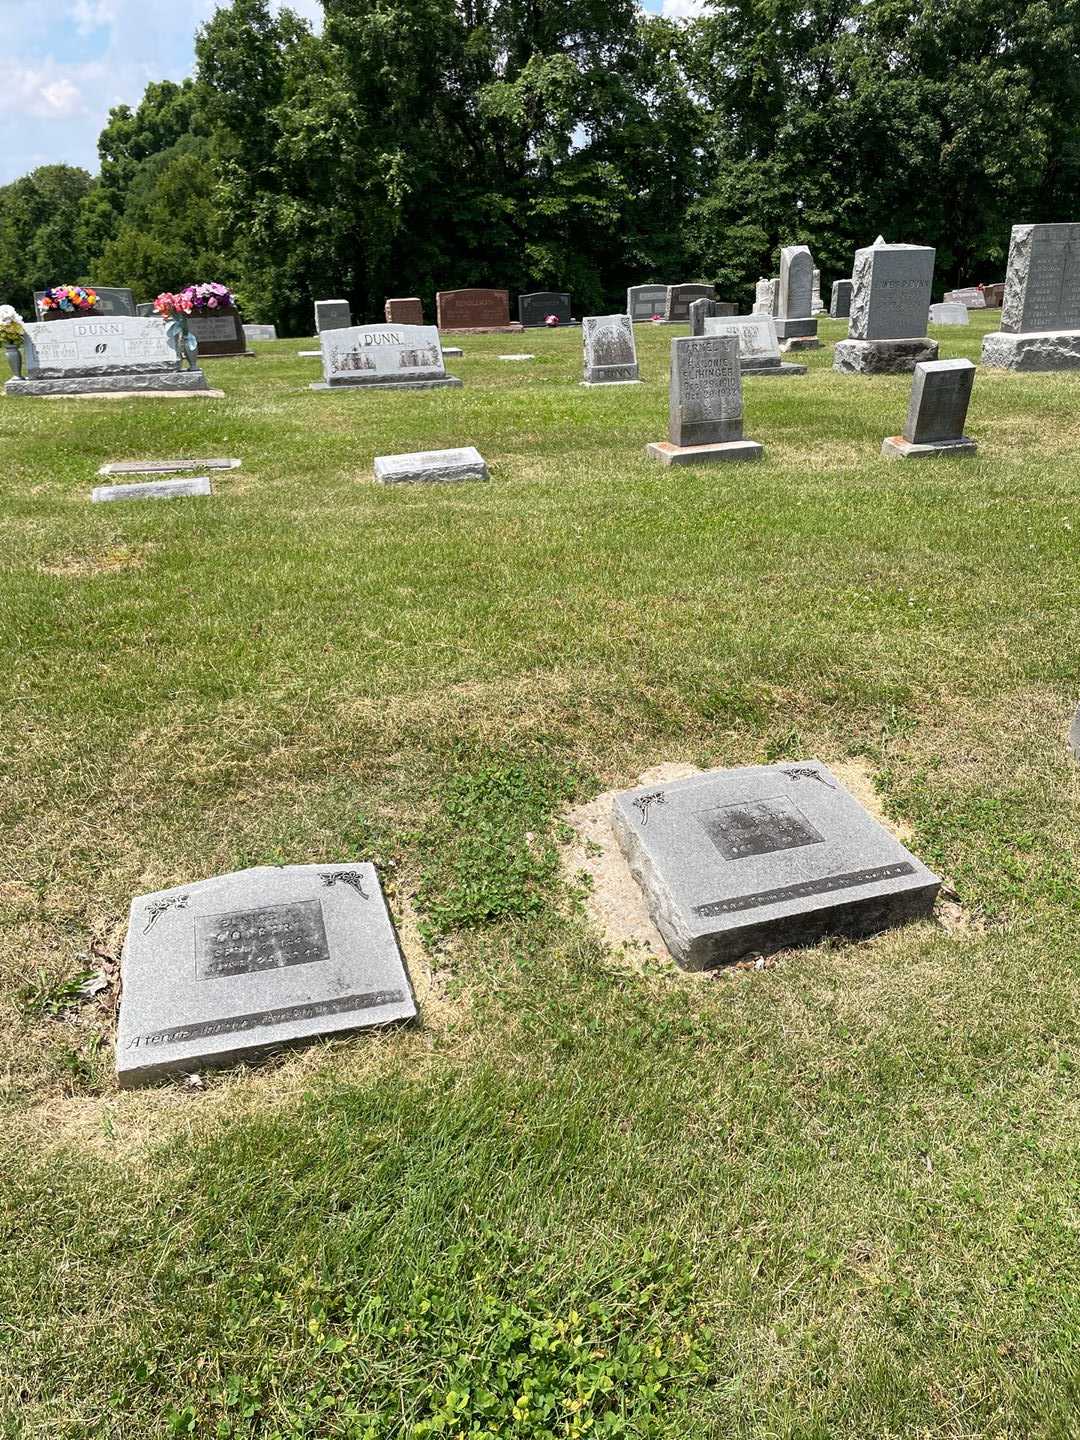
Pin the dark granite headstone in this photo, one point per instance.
(679, 299)
(219, 332)
(699, 311)
(534, 309)
(840, 300)
(112, 300)
(940, 394)
(332, 315)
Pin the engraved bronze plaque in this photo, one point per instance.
(758, 827)
(243, 942)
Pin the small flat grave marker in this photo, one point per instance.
(164, 467)
(427, 467)
(224, 969)
(153, 490)
(940, 394)
(758, 859)
(260, 332)
(1074, 735)
(517, 357)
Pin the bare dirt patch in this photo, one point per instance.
(98, 562)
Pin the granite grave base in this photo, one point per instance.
(426, 467)
(153, 490)
(669, 454)
(800, 342)
(165, 467)
(512, 329)
(159, 383)
(883, 357)
(451, 382)
(801, 328)
(758, 859)
(1035, 350)
(897, 448)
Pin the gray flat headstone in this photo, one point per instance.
(517, 357)
(153, 490)
(759, 348)
(397, 357)
(705, 395)
(221, 970)
(164, 467)
(949, 314)
(840, 300)
(735, 862)
(610, 351)
(534, 309)
(260, 332)
(427, 467)
(332, 315)
(891, 292)
(645, 301)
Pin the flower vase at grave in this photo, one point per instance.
(14, 360)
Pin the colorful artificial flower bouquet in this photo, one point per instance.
(195, 300)
(551, 320)
(12, 330)
(68, 300)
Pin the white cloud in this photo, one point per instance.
(42, 94)
(683, 9)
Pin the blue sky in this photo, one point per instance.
(69, 61)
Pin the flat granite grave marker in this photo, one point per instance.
(332, 315)
(705, 404)
(517, 357)
(759, 348)
(1074, 735)
(427, 467)
(610, 351)
(534, 309)
(890, 303)
(645, 301)
(1040, 321)
(949, 313)
(391, 357)
(474, 311)
(221, 970)
(153, 490)
(755, 860)
(408, 311)
(165, 467)
(940, 395)
(679, 298)
(123, 353)
(260, 332)
(840, 300)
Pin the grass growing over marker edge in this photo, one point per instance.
(836, 1198)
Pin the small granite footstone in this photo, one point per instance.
(431, 466)
(153, 490)
(164, 467)
(517, 357)
(390, 357)
(940, 395)
(332, 315)
(222, 970)
(755, 860)
(840, 300)
(759, 349)
(455, 351)
(610, 350)
(883, 357)
(949, 313)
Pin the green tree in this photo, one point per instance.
(41, 242)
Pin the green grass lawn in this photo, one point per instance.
(831, 1200)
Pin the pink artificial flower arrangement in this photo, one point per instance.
(195, 298)
(657, 319)
(552, 320)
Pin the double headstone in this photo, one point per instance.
(971, 297)
(705, 404)
(754, 860)
(332, 315)
(610, 352)
(474, 310)
(390, 357)
(1040, 322)
(534, 309)
(102, 356)
(890, 303)
(699, 311)
(645, 302)
(759, 348)
(795, 318)
(223, 970)
(940, 395)
(679, 298)
(404, 312)
(840, 300)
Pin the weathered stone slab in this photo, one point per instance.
(729, 450)
(260, 332)
(840, 299)
(940, 395)
(408, 311)
(397, 357)
(332, 315)
(759, 349)
(645, 301)
(112, 300)
(476, 310)
(431, 466)
(679, 298)
(165, 467)
(534, 309)
(153, 490)
(949, 313)
(754, 860)
(883, 357)
(610, 351)
(891, 292)
(223, 970)
(698, 311)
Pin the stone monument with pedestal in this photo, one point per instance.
(940, 394)
(1040, 320)
(103, 356)
(389, 357)
(705, 404)
(610, 351)
(759, 349)
(795, 321)
(890, 302)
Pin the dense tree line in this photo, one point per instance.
(418, 145)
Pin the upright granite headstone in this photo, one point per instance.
(102, 356)
(610, 352)
(462, 311)
(391, 357)
(260, 332)
(840, 300)
(759, 349)
(890, 303)
(699, 311)
(754, 860)
(645, 301)
(1040, 322)
(679, 298)
(404, 312)
(112, 300)
(940, 394)
(144, 312)
(219, 334)
(949, 313)
(705, 404)
(332, 315)
(222, 970)
(816, 307)
(795, 320)
(534, 309)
